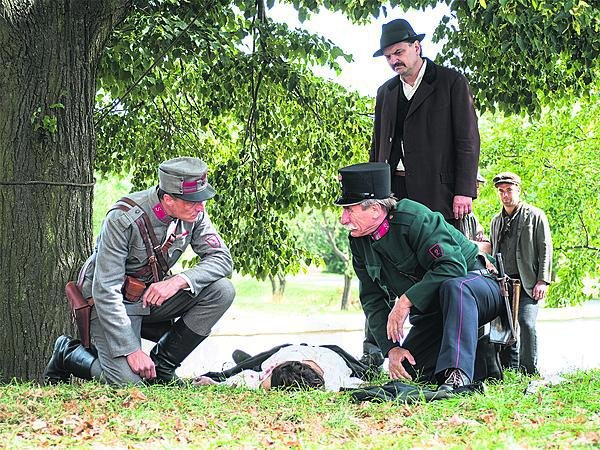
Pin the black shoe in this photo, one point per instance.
(372, 360)
(170, 351)
(240, 356)
(69, 358)
(455, 378)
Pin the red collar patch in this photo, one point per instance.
(381, 231)
(160, 213)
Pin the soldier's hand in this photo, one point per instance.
(397, 317)
(396, 369)
(461, 206)
(158, 292)
(141, 364)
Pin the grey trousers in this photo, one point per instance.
(199, 314)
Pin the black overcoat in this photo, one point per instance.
(441, 138)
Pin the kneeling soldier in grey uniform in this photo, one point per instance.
(134, 294)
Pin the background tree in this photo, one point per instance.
(327, 240)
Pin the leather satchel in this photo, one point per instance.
(80, 311)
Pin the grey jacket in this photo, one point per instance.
(120, 251)
(534, 245)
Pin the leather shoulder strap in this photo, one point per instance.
(150, 231)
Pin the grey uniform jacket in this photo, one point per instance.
(534, 245)
(120, 251)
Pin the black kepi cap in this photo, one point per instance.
(364, 181)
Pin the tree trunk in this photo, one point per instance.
(346, 293)
(48, 58)
(277, 287)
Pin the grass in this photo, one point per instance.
(90, 415)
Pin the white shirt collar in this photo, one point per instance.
(409, 90)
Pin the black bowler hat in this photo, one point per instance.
(363, 182)
(398, 30)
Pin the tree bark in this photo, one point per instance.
(277, 287)
(49, 51)
(346, 293)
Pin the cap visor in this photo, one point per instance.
(200, 196)
(342, 201)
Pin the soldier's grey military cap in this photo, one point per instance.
(185, 177)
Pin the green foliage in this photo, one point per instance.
(272, 133)
(324, 237)
(557, 156)
(106, 193)
(522, 54)
(92, 415)
(224, 82)
(47, 122)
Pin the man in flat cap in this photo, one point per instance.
(425, 127)
(521, 233)
(135, 294)
(410, 261)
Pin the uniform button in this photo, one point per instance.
(390, 139)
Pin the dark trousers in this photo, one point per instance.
(522, 355)
(447, 338)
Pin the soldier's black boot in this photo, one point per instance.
(171, 349)
(69, 358)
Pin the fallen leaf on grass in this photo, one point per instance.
(457, 420)
(178, 424)
(135, 396)
(489, 417)
(38, 424)
(589, 438)
(266, 441)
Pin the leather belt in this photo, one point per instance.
(399, 173)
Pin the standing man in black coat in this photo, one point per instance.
(425, 129)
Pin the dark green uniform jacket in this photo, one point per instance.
(418, 252)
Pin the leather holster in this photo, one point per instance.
(81, 310)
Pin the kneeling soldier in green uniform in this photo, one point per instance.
(134, 294)
(411, 262)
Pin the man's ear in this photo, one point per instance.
(376, 210)
(168, 200)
